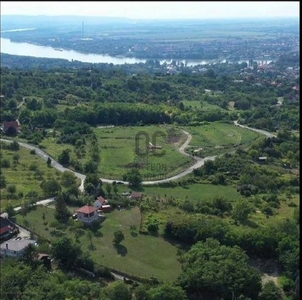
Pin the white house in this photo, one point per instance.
(87, 214)
(14, 248)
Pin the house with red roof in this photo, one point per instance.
(99, 202)
(136, 196)
(5, 226)
(10, 125)
(87, 214)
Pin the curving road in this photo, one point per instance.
(198, 161)
(54, 163)
(266, 133)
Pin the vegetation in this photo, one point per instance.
(196, 237)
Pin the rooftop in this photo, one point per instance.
(101, 199)
(86, 209)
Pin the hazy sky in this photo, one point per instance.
(155, 9)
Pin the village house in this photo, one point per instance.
(15, 248)
(10, 125)
(87, 214)
(5, 226)
(100, 203)
(136, 195)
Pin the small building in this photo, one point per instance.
(15, 248)
(136, 195)
(99, 202)
(105, 208)
(262, 158)
(87, 214)
(11, 125)
(4, 226)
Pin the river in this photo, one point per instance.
(27, 49)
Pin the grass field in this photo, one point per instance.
(194, 192)
(20, 175)
(117, 150)
(217, 138)
(137, 255)
(117, 146)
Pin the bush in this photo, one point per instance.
(33, 151)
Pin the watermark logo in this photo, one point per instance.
(144, 145)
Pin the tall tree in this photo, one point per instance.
(118, 237)
(66, 251)
(218, 271)
(62, 213)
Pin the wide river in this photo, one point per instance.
(26, 49)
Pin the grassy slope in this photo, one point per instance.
(141, 253)
(20, 175)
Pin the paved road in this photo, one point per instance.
(198, 161)
(41, 202)
(266, 133)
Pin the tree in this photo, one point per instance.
(117, 291)
(2, 182)
(9, 209)
(68, 179)
(218, 271)
(48, 162)
(167, 292)
(270, 292)
(16, 158)
(108, 188)
(241, 210)
(50, 187)
(64, 157)
(140, 292)
(11, 189)
(62, 213)
(66, 251)
(118, 237)
(133, 177)
(30, 255)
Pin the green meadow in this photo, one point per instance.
(137, 254)
(217, 138)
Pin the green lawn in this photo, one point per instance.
(195, 192)
(118, 144)
(217, 138)
(141, 255)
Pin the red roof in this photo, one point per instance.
(101, 200)
(136, 195)
(86, 209)
(14, 124)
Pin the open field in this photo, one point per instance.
(118, 144)
(195, 192)
(217, 138)
(23, 175)
(117, 150)
(137, 254)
